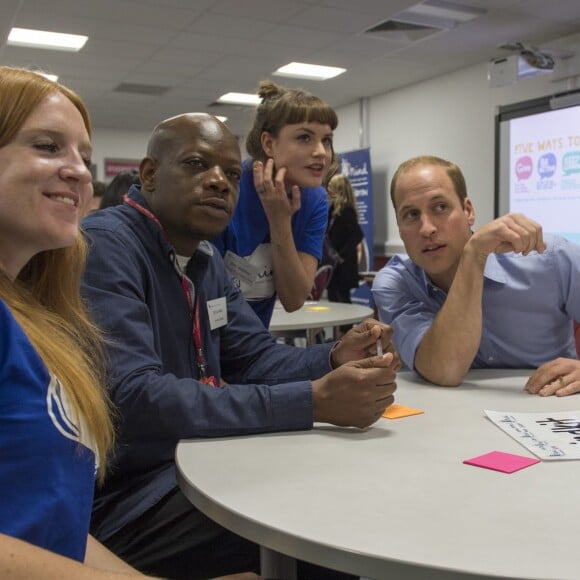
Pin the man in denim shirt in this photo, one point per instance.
(504, 296)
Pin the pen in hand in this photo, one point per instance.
(379, 348)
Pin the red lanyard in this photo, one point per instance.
(193, 305)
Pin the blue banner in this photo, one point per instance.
(356, 165)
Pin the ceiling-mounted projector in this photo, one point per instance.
(525, 61)
(535, 57)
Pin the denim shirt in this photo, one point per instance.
(529, 304)
(136, 296)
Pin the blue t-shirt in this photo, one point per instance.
(248, 236)
(46, 474)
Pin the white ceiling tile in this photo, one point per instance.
(376, 7)
(269, 10)
(217, 26)
(300, 37)
(203, 48)
(114, 48)
(341, 21)
(558, 10)
(179, 57)
(197, 5)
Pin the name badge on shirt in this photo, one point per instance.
(240, 268)
(217, 312)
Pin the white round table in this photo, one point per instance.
(314, 316)
(395, 501)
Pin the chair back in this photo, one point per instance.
(321, 280)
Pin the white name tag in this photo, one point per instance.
(240, 268)
(217, 312)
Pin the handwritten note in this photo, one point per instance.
(547, 435)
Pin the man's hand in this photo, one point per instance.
(510, 233)
(558, 377)
(361, 342)
(356, 394)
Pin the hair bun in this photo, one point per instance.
(270, 90)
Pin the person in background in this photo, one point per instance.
(178, 325)
(118, 187)
(274, 241)
(345, 235)
(95, 201)
(504, 296)
(55, 427)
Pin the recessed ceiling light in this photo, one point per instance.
(240, 99)
(50, 77)
(309, 71)
(45, 39)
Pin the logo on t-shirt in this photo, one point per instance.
(263, 285)
(64, 417)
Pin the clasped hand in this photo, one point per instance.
(361, 342)
(510, 233)
(357, 393)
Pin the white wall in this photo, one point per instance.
(348, 133)
(451, 116)
(110, 143)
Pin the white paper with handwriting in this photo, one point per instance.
(547, 435)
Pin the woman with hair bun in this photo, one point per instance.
(274, 242)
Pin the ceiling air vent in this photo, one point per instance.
(399, 31)
(424, 19)
(139, 89)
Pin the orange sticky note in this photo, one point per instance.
(399, 411)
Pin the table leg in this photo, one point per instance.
(335, 331)
(311, 336)
(276, 566)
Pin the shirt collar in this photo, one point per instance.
(135, 192)
(205, 247)
(493, 272)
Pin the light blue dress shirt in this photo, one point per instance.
(529, 305)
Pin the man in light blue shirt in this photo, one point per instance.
(500, 297)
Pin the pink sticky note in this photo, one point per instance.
(504, 462)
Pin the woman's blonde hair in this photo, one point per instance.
(344, 194)
(45, 298)
(281, 106)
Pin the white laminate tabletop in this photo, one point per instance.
(395, 501)
(318, 315)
